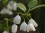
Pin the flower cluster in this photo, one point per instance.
(24, 27)
(17, 19)
(29, 27)
(10, 6)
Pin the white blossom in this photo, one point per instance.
(17, 19)
(14, 28)
(14, 6)
(23, 26)
(6, 11)
(33, 22)
(3, 11)
(10, 5)
(5, 32)
(30, 27)
(10, 13)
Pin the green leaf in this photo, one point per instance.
(21, 6)
(38, 6)
(32, 3)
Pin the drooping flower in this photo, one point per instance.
(10, 5)
(17, 19)
(33, 22)
(10, 13)
(5, 32)
(6, 11)
(23, 26)
(3, 11)
(14, 6)
(30, 27)
(14, 28)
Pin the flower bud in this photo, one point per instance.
(17, 19)
(14, 28)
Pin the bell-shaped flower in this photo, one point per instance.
(33, 22)
(5, 32)
(14, 28)
(10, 5)
(23, 26)
(10, 13)
(17, 19)
(3, 11)
(6, 11)
(14, 6)
(30, 27)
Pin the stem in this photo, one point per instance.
(27, 18)
(7, 23)
(36, 7)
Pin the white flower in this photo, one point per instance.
(10, 13)
(15, 6)
(6, 11)
(14, 28)
(3, 11)
(5, 32)
(33, 22)
(23, 26)
(17, 19)
(30, 27)
(10, 5)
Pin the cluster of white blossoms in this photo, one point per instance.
(17, 19)
(29, 27)
(24, 27)
(10, 6)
